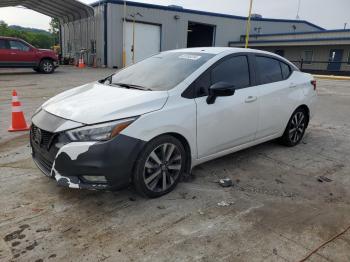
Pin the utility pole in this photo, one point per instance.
(124, 35)
(248, 24)
(133, 39)
(133, 34)
(299, 4)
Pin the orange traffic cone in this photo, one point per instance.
(18, 121)
(81, 63)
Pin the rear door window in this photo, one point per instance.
(286, 71)
(269, 70)
(3, 44)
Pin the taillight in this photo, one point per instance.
(314, 83)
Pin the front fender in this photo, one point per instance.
(177, 116)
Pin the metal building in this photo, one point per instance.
(145, 29)
(81, 20)
(325, 51)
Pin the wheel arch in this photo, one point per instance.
(307, 110)
(187, 147)
(46, 58)
(185, 144)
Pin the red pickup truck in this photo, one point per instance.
(15, 52)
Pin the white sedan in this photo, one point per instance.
(154, 121)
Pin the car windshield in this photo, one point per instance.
(160, 72)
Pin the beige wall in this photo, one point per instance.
(320, 53)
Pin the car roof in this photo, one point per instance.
(9, 38)
(208, 50)
(231, 50)
(218, 50)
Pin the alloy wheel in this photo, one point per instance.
(47, 67)
(162, 167)
(297, 127)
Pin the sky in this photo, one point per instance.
(330, 14)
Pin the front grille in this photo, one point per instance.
(41, 137)
(44, 164)
(44, 149)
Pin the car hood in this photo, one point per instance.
(96, 103)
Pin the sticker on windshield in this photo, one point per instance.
(190, 57)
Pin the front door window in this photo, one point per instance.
(17, 45)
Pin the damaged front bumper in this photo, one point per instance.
(70, 163)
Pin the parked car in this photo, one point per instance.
(154, 121)
(18, 53)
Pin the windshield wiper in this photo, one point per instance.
(108, 78)
(130, 86)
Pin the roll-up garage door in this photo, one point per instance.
(147, 41)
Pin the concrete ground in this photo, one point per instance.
(277, 210)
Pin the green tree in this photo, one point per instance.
(3, 28)
(37, 38)
(55, 30)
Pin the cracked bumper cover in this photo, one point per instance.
(112, 159)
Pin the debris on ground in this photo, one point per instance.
(16, 234)
(200, 212)
(66, 230)
(37, 210)
(225, 182)
(43, 229)
(224, 204)
(161, 207)
(183, 195)
(279, 181)
(322, 179)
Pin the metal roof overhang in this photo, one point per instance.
(295, 42)
(65, 10)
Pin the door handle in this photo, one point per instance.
(251, 99)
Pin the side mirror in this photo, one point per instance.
(220, 89)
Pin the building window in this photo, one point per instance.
(308, 56)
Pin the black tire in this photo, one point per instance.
(149, 172)
(36, 69)
(296, 128)
(47, 66)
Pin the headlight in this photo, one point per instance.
(101, 132)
